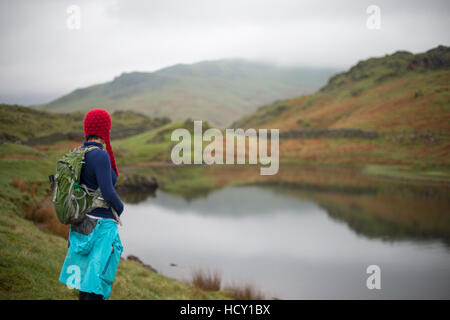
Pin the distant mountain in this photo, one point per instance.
(217, 91)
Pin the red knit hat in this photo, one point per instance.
(98, 122)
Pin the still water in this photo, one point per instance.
(288, 245)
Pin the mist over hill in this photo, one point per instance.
(400, 92)
(391, 111)
(220, 91)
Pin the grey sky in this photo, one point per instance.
(41, 58)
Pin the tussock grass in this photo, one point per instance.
(211, 281)
(206, 280)
(23, 186)
(44, 216)
(245, 291)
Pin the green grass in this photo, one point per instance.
(17, 149)
(18, 123)
(154, 145)
(138, 148)
(31, 258)
(432, 174)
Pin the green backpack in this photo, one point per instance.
(71, 199)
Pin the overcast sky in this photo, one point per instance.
(42, 58)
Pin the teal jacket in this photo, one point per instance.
(93, 256)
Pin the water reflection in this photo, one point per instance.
(296, 242)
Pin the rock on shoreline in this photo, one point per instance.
(137, 183)
(134, 258)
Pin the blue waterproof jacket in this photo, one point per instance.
(93, 256)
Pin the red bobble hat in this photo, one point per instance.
(98, 122)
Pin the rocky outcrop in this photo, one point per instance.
(391, 66)
(137, 183)
(136, 259)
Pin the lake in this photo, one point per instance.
(298, 244)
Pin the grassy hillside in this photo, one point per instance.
(217, 91)
(20, 124)
(153, 145)
(404, 99)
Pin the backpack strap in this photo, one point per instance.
(98, 201)
(90, 148)
(86, 150)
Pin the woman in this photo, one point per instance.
(94, 243)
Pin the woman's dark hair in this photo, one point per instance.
(93, 137)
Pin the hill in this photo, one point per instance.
(217, 91)
(389, 110)
(19, 124)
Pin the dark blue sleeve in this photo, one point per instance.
(104, 180)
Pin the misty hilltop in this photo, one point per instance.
(219, 91)
(398, 92)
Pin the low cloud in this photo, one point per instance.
(41, 58)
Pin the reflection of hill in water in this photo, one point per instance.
(233, 202)
(369, 224)
(391, 212)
